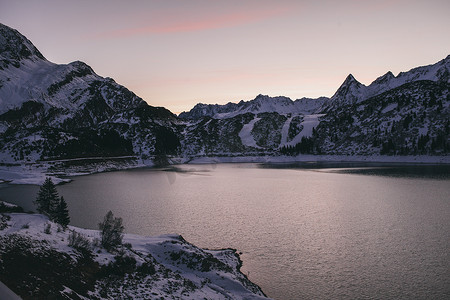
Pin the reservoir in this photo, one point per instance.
(306, 231)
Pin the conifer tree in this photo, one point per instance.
(47, 198)
(62, 213)
(53, 208)
(111, 231)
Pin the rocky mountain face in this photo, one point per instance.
(407, 114)
(59, 111)
(50, 111)
(352, 91)
(411, 119)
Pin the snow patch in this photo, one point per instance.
(246, 134)
(309, 122)
(285, 130)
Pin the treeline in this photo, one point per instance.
(306, 145)
(85, 143)
(423, 145)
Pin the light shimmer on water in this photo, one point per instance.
(304, 233)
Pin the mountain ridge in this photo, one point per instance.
(349, 92)
(260, 104)
(50, 111)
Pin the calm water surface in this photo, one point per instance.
(307, 231)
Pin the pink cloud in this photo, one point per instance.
(200, 23)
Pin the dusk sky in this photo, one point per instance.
(178, 53)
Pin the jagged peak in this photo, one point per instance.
(348, 82)
(384, 78)
(261, 96)
(351, 79)
(349, 90)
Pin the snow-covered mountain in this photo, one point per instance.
(261, 104)
(352, 91)
(328, 125)
(411, 119)
(14, 47)
(53, 111)
(50, 111)
(25, 75)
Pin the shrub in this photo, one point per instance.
(47, 229)
(120, 266)
(10, 209)
(3, 220)
(79, 241)
(147, 268)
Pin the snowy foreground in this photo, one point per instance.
(38, 262)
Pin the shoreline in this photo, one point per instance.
(420, 159)
(35, 173)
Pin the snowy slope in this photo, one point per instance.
(309, 123)
(33, 82)
(165, 267)
(33, 78)
(246, 134)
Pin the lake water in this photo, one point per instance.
(306, 231)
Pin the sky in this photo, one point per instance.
(176, 53)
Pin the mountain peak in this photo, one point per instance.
(350, 77)
(349, 82)
(14, 47)
(385, 78)
(349, 92)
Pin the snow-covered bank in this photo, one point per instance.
(35, 173)
(145, 268)
(321, 158)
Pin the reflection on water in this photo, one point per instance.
(426, 171)
(307, 231)
(375, 169)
